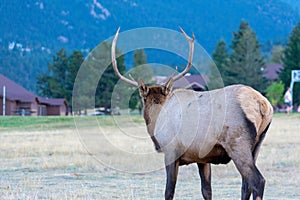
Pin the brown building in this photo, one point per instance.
(49, 106)
(194, 82)
(271, 71)
(19, 101)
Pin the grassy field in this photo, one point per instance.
(94, 157)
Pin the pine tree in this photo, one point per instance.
(140, 70)
(74, 63)
(221, 58)
(139, 57)
(53, 83)
(277, 54)
(58, 81)
(43, 85)
(291, 61)
(246, 61)
(102, 58)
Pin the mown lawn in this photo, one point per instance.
(55, 122)
(18, 122)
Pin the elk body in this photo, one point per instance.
(206, 128)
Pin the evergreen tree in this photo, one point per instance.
(101, 57)
(59, 70)
(96, 84)
(140, 70)
(277, 54)
(291, 61)
(139, 57)
(53, 83)
(83, 95)
(58, 81)
(74, 63)
(221, 58)
(44, 85)
(246, 61)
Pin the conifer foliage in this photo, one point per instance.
(58, 81)
(140, 70)
(221, 59)
(245, 64)
(291, 61)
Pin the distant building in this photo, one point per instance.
(19, 101)
(271, 71)
(194, 82)
(50, 106)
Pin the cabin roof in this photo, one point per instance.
(14, 91)
(271, 71)
(191, 81)
(51, 101)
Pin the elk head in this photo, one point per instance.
(153, 96)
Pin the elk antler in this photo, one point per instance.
(133, 82)
(114, 62)
(191, 53)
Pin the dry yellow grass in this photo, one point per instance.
(52, 163)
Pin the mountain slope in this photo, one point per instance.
(33, 30)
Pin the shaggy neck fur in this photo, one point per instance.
(153, 104)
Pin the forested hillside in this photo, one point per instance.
(33, 31)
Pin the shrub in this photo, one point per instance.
(274, 93)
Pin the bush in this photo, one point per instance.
(274, 93)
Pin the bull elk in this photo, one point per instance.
(211, 127)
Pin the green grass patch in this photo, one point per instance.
(55, 122)
(58, 122)
(17, 122)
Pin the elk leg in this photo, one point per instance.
(172, 172)
(246, 191)
(253, 180)
(240, 152)
(205, 175)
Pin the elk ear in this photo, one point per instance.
(167, 88)
(143, 88)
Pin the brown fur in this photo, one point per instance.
(238, 129)
(239, 142)
(153, 103)
(153, 98)
(257, 109)
(217, 155)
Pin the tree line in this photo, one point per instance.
(58, 81)
(240, 62)
(244, 63)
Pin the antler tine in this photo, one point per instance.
(174, 73)
(191, 53)
(131, 77)
(114, 61)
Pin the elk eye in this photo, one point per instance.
(165, 92)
